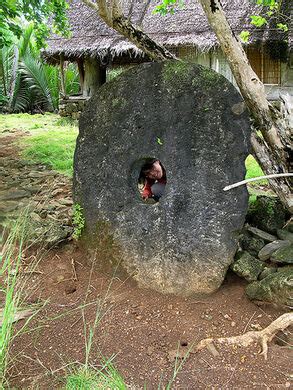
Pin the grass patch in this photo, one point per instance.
(54, 148)
(52, 138)
(254, 170)
(13, 290)
(90, 378)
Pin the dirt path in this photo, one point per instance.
(26, 184)
(143, 329)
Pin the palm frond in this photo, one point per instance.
(20, 101)
(25, 42)
(35, 77)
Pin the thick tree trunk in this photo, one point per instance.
(272, 151)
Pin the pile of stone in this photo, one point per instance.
(72, 106)
(265, 254)
(37, 193)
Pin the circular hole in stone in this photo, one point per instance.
(152, 180)
(183, 343)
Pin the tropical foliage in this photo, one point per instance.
(13, 12)
(26, 83)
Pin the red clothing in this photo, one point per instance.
(147, 190)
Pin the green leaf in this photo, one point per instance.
(159, 141)
(244, 36)
(282, 27)
(257, 20)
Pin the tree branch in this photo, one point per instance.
(113, 17)
(261, 337)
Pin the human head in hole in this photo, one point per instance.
(153, 177)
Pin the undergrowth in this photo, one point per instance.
(78, 221)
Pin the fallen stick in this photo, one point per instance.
(18, 315)
(261, 337)
(241, 183)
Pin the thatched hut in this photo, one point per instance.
(95, 47)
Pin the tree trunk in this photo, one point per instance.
(14, 73)
(272, 152)
(81, 74)
(63, 88)
(94, 76)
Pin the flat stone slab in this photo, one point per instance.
(266, 252)
(283, 255)
(194, 122)
(267, 237)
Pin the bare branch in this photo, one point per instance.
(240, 183)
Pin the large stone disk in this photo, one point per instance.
(194, 121)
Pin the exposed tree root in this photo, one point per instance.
(261, 337)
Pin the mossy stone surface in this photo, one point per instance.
(248, 267)
(275, 288)
(267, 251)
(267, 214)
(284, 234)
(283, 255)
(251, 244)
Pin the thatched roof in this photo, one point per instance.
(91, 37)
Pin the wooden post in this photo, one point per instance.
(94, 76)
(81, 73)
(63, 89)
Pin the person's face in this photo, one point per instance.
(156, 172)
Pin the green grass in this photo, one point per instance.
(254, 170)
(90, 378)
(51, 139)
(54, 148)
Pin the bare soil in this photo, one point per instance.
(145, 330)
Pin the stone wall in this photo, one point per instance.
(72, 106)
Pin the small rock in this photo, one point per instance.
(256, 326)
(283, 255)
(248, 267)
(251, 244)
(70, 289)
(275, 288)
(261, 234)
(267, 271)
(267, 213)
(266, 252)
(284, 234)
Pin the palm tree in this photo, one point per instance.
(26, 83)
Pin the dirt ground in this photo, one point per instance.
(143, 329)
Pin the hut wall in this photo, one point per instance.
(215, 59)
